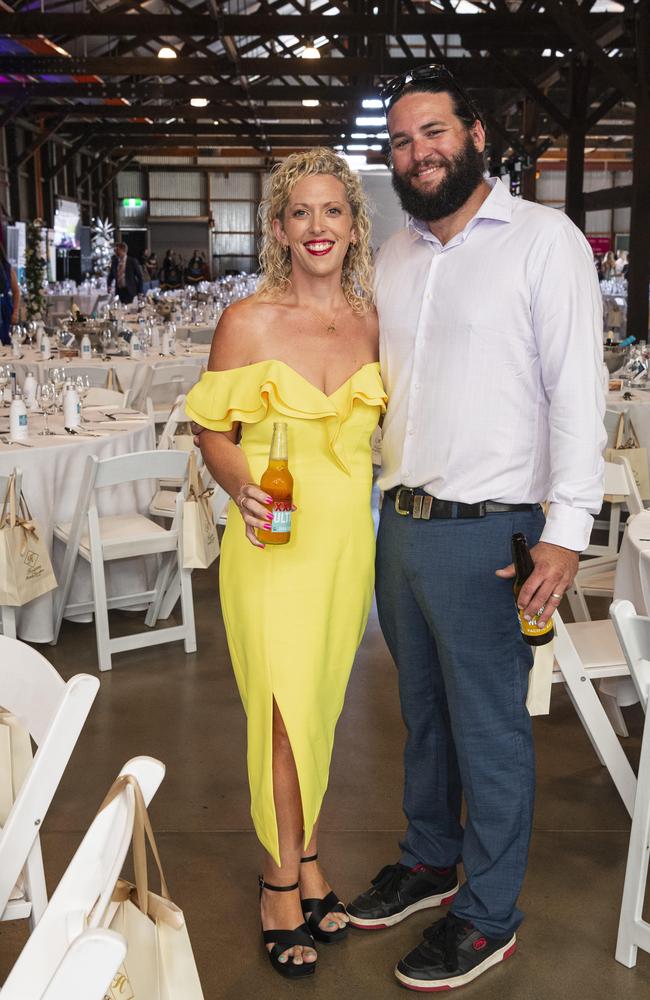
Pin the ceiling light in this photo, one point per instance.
(310, 52)
(371, 120)
(309, 103)
(167, 53)
(357, 145)
(215, 122)
(199, 102)
(372, 102)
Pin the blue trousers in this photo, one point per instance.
(452, 629)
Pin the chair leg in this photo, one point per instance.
(595, 721)
(35, 883)
(187, 609)
(171, 597)
(160, 587)
(101, 613)
(612, 708)
(8, 616)
(632, 929)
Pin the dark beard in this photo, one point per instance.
(464, 173)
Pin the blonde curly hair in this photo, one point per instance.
(275, 262)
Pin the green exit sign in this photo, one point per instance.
(132, 202)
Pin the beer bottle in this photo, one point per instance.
(524, 566)
(278, 483)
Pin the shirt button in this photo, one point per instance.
(410, 430)
(417, 386)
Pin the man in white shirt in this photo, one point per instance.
(491, 352)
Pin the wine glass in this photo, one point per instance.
(82, 383)
(57, 378)
(48, 406)
(32, 327)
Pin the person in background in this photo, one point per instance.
(125, 274)
(196, 270)
(171, 275)
(9, 297)
(490, 320)
(609, 265)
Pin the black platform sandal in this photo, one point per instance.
(318, 909)
(283, 940)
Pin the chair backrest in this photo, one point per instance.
(634, 636)
(88, 967)
(176, 417)
(141, 465)
(97, 375)
(186, 372)
(104, 397)
(83, 895)
(53, 712)
(633, 500)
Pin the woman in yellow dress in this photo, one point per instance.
(303, 350)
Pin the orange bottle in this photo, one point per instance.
(278, 483)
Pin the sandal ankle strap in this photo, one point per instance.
(312, 857)
(276, 888)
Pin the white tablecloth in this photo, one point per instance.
(52, 472)
(130, 373)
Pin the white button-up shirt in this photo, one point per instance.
(491, 353)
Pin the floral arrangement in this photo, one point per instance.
(35, 269)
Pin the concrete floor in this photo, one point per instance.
(186, 711)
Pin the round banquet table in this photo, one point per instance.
(131, 374)
(52, 469)
(632, 582)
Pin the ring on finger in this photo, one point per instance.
(557, 597)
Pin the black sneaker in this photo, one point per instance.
(453, 953)
(397, 892)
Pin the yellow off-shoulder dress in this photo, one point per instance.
(295, 614)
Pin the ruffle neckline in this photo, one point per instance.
(245, 394)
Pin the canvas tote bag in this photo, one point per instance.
(159, 963)
(200, 539)
(636, 456)
(25, 568)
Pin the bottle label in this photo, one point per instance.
(281, 513)
(531, 628)
(22, 420)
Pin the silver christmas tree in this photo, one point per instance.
(103, 245)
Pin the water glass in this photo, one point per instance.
(48, 406)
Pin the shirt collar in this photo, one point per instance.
(498, 206)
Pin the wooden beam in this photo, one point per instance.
(36, 145)
(639, 270)
(604, 198)
(524, 81)
(568, 18)
(69, 155)
(575, 167)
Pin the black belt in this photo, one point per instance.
(420, 505)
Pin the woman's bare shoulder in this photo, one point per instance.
(238, 333)
(371, 330)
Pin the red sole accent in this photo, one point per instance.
(448, 899)
(441, 989)
(509, 952)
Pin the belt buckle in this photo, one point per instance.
(402, 489)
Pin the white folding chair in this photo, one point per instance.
(53, 712)
(164, 382)
(633, 931)
(584, 653)
(8, 613)
(105, 397)
(82, 898)
(97, 375)
(595, 578)
(101, 539)
(89, 965)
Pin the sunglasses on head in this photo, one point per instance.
(425, 74)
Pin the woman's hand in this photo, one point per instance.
(251, 501)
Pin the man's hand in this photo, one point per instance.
(555, 568)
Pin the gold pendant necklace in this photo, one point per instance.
(329, 327)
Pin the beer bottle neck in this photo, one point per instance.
(279, 444)
(521, 558)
